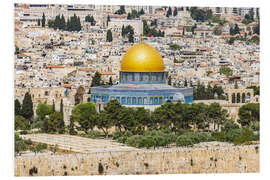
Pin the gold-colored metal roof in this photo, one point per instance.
(142, 58)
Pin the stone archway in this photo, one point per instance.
(233, 98)
(79, 95)
(238, 98)
(243, 97)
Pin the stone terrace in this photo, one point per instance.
(78, 144)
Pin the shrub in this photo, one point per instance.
(146, 141)
(134, 140)
(160, 140)
(228, 125)
(100, 168)
(91, 134)
(245, 136)
(197, 137)
(117, 134)
(184, 140)
(122, 139)
(28, 142)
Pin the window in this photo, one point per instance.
(134, 100)
(145, 100)
(141, 76)
(151, 100)
(46, 93)
(140, 100)
(160, 100)
(129, 100)
(156, 100)
(123, 100)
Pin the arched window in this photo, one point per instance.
(151, 100)
(140, 100)
(134, 100)
(160, 100)
(129, 100)
(238, 98)
(145, 100)
(243, 97)
(123, 100)
(156, 100)
(233, 97)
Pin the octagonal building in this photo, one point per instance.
(143, 82)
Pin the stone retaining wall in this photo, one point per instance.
(234, 159)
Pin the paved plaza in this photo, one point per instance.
(78, 144)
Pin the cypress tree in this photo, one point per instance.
(17, 107)
(96, 81)
(110, 81)
(27, 107)
(185, 83)
(62, 107)
(108, 19)
(129, 16)
(43, 20)
(169, 12)
(169, 80)
(62, 23)
(109, 37)
(175, 12)
(53, 106)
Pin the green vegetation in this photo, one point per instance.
(226, 71)
(24, 145)
(121, 10)
(151, 31)
(21, 123)
(96, 81)
(90, 19)
(178, 61)
(256, 89)
(72, 24)
(249, 114)
(175, 47)
(200, 92)
(128, 32)
(43, 21)
(200, 15)
(27, 107)
(248, 19)
(85, 114)
(109, 37)
(235, 30)
(169, 12)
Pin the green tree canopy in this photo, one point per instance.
(17, 107)
(56, 123)
(85, 114)
(96, 81)
(249, 113)
(109, 37)
(43, 21)
(27, 107)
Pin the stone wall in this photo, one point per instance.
(234, 159)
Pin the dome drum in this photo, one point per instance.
(142, 78)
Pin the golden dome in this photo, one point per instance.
(142, 58)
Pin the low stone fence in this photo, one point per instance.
(235, 159)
